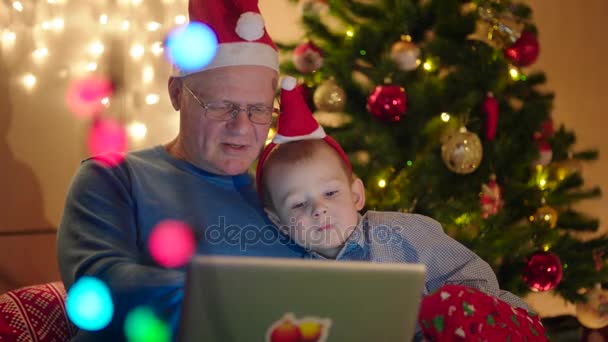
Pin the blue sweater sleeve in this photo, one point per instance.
(98, 236)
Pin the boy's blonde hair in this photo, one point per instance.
(292, 153)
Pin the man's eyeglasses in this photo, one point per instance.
(226, 110)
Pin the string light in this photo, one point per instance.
(546, 248)
(428, 65)
(153, 26)
(40, 53)
(103, 19)
(8, 38)
(92, 66)
(514, 73)
(148, 74)
(152, 99)
(350, 33)
(137, 131)
(382, 183)
(445, 117)
(57, 24)
(157, 48)
(18, 6)
(137, 51)
(29, 81)
(180, 19)
(96, 48)
(125, 25)
(105, 101)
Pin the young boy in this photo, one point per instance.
(310, 193)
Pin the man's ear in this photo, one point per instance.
(358, 190)
(175, 91)
(274, 218)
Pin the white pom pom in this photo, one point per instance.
(250, 26)
(288, 83)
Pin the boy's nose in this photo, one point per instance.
(319, 210)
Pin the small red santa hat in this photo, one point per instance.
(241, 33)
(295, 123)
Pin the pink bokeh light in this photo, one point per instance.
(107, 141)
(171, 243)
(84, 96)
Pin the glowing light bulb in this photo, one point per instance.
(514, 73)
(103, 19)
(92, 66)
(428, 65)
(148, 74)
(350, 33)
(152, 99)
(137, 51)
(125, 25)
(96, 48)
(137, 130)
(445, 117)
(18, 6)
(89, 304)
(29, 81)
(157, 48)
(382, 183)
(57, 24)
(271, 133)
(153, 26)
(40, 53)
(180, 19)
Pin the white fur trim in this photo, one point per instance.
(318, 133)
(250, 26)
(288, 83)
(241, 53)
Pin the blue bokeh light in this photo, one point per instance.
(89, 304)
(191, 47)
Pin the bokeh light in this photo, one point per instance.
(171, 243)
(84, 95)
(89, 304)
(107, 141)
(142, 325)
(191, 47)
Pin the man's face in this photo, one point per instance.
(224, 147)
(315, 201)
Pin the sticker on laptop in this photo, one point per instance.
(292, 329)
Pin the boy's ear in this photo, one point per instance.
(358, 190)
(274, 218)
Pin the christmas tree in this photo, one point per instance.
(437, 107)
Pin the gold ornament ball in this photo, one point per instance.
(462, 152)
(545, 215)
(329, 97)
(593, 314)
(405, 54)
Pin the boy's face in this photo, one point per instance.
(315, 202)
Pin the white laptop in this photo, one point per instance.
(243, 299)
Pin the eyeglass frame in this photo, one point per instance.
(234, 113)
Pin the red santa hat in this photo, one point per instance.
(295, 123)
(240, 30)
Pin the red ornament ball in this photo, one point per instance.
(543, 271)
(308, 57)
(387, 103)
(524, 51)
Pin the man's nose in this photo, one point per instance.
(239, 122)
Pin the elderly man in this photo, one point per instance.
(199, 178)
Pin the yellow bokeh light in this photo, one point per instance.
(542, 183)
(445, 117)
(514, 73)
(180, 19)
(382, 183)
(546, 248)
(350, 33)
(137, 130)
